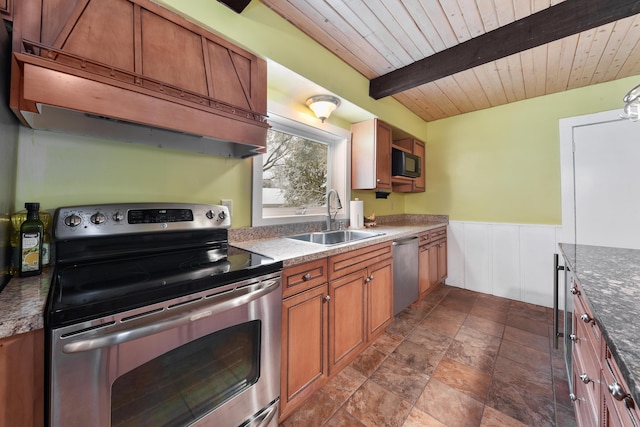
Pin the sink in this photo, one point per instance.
(335, 237)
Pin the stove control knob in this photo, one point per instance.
(118, 216)
(72, 220)
(210, 214)
(98, 218)
(222, 215)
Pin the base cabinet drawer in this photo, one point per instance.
(619, 409)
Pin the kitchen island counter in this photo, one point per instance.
(609, 278)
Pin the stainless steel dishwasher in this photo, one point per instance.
(405, 273)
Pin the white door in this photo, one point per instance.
(601, 180)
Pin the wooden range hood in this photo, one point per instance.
(131, 70)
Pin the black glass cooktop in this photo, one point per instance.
(89, 290)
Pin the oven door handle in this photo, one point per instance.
(127, 333)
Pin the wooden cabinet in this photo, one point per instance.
(432, 260)
(379, 297)
(371, 155)
(331, 310)
(410, 185)
(618, 408)
(127, 58)
(424, 271)
(347, 319)
(305, 321)
(371, 145)
(6, 9)
(22, 380)
(586, 353)
(368, 274)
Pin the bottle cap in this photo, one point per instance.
(32, 206)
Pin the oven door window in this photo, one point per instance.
(188, 382)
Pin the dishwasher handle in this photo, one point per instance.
(406, 241)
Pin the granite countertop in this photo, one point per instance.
(292, 252)
(609, 279)
(23, 300)
(22, 303)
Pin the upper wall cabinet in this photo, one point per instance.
(133, 61)
(410, 185)
(371, 155)
(371, 148)
(6, 9)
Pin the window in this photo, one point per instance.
(290, 181)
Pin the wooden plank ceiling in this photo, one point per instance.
(377, 37)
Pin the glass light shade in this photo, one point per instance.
(323, 105)
(632, 107)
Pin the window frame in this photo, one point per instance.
(338, 165)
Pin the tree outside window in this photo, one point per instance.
(294, 172)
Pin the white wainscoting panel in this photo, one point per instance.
(477, 258)
(505, 262)
(513, 261)
(536, 259)
(455, 253)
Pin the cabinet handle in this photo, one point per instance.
(371, 277)
(586, 318)
(573, 397)
(327, 298)
(367, 280)
(617, 391)
(378, 180)
(574, 291)
(573, 337)
(585, 378)
(306, 277)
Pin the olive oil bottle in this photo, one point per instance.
(31, 236)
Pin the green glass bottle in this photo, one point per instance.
(31, 235)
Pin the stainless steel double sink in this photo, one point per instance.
(328, 238)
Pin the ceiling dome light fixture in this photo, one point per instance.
(323, 105)
(632, 107)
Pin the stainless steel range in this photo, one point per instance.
(154, 320)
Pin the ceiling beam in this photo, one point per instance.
(236, 5)
(556, 22)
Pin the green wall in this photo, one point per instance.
(503, 164)
(496, 165)
(58, 169)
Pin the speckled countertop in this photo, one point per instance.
(23, 300)
(609, 279)
(292, 252)
(22, 304)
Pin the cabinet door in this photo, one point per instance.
(304, 347)
(347, 319)
(433, 264)
(419, 150)
(424, 270)
(22, 380)
(6, 9)
(371, 155)
(442, 260)
(383, 155)
(619, 408)
(380, 298)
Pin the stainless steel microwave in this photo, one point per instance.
(405, 164)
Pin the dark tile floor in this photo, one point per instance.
(458, 358)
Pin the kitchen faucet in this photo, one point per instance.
(338, 207)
